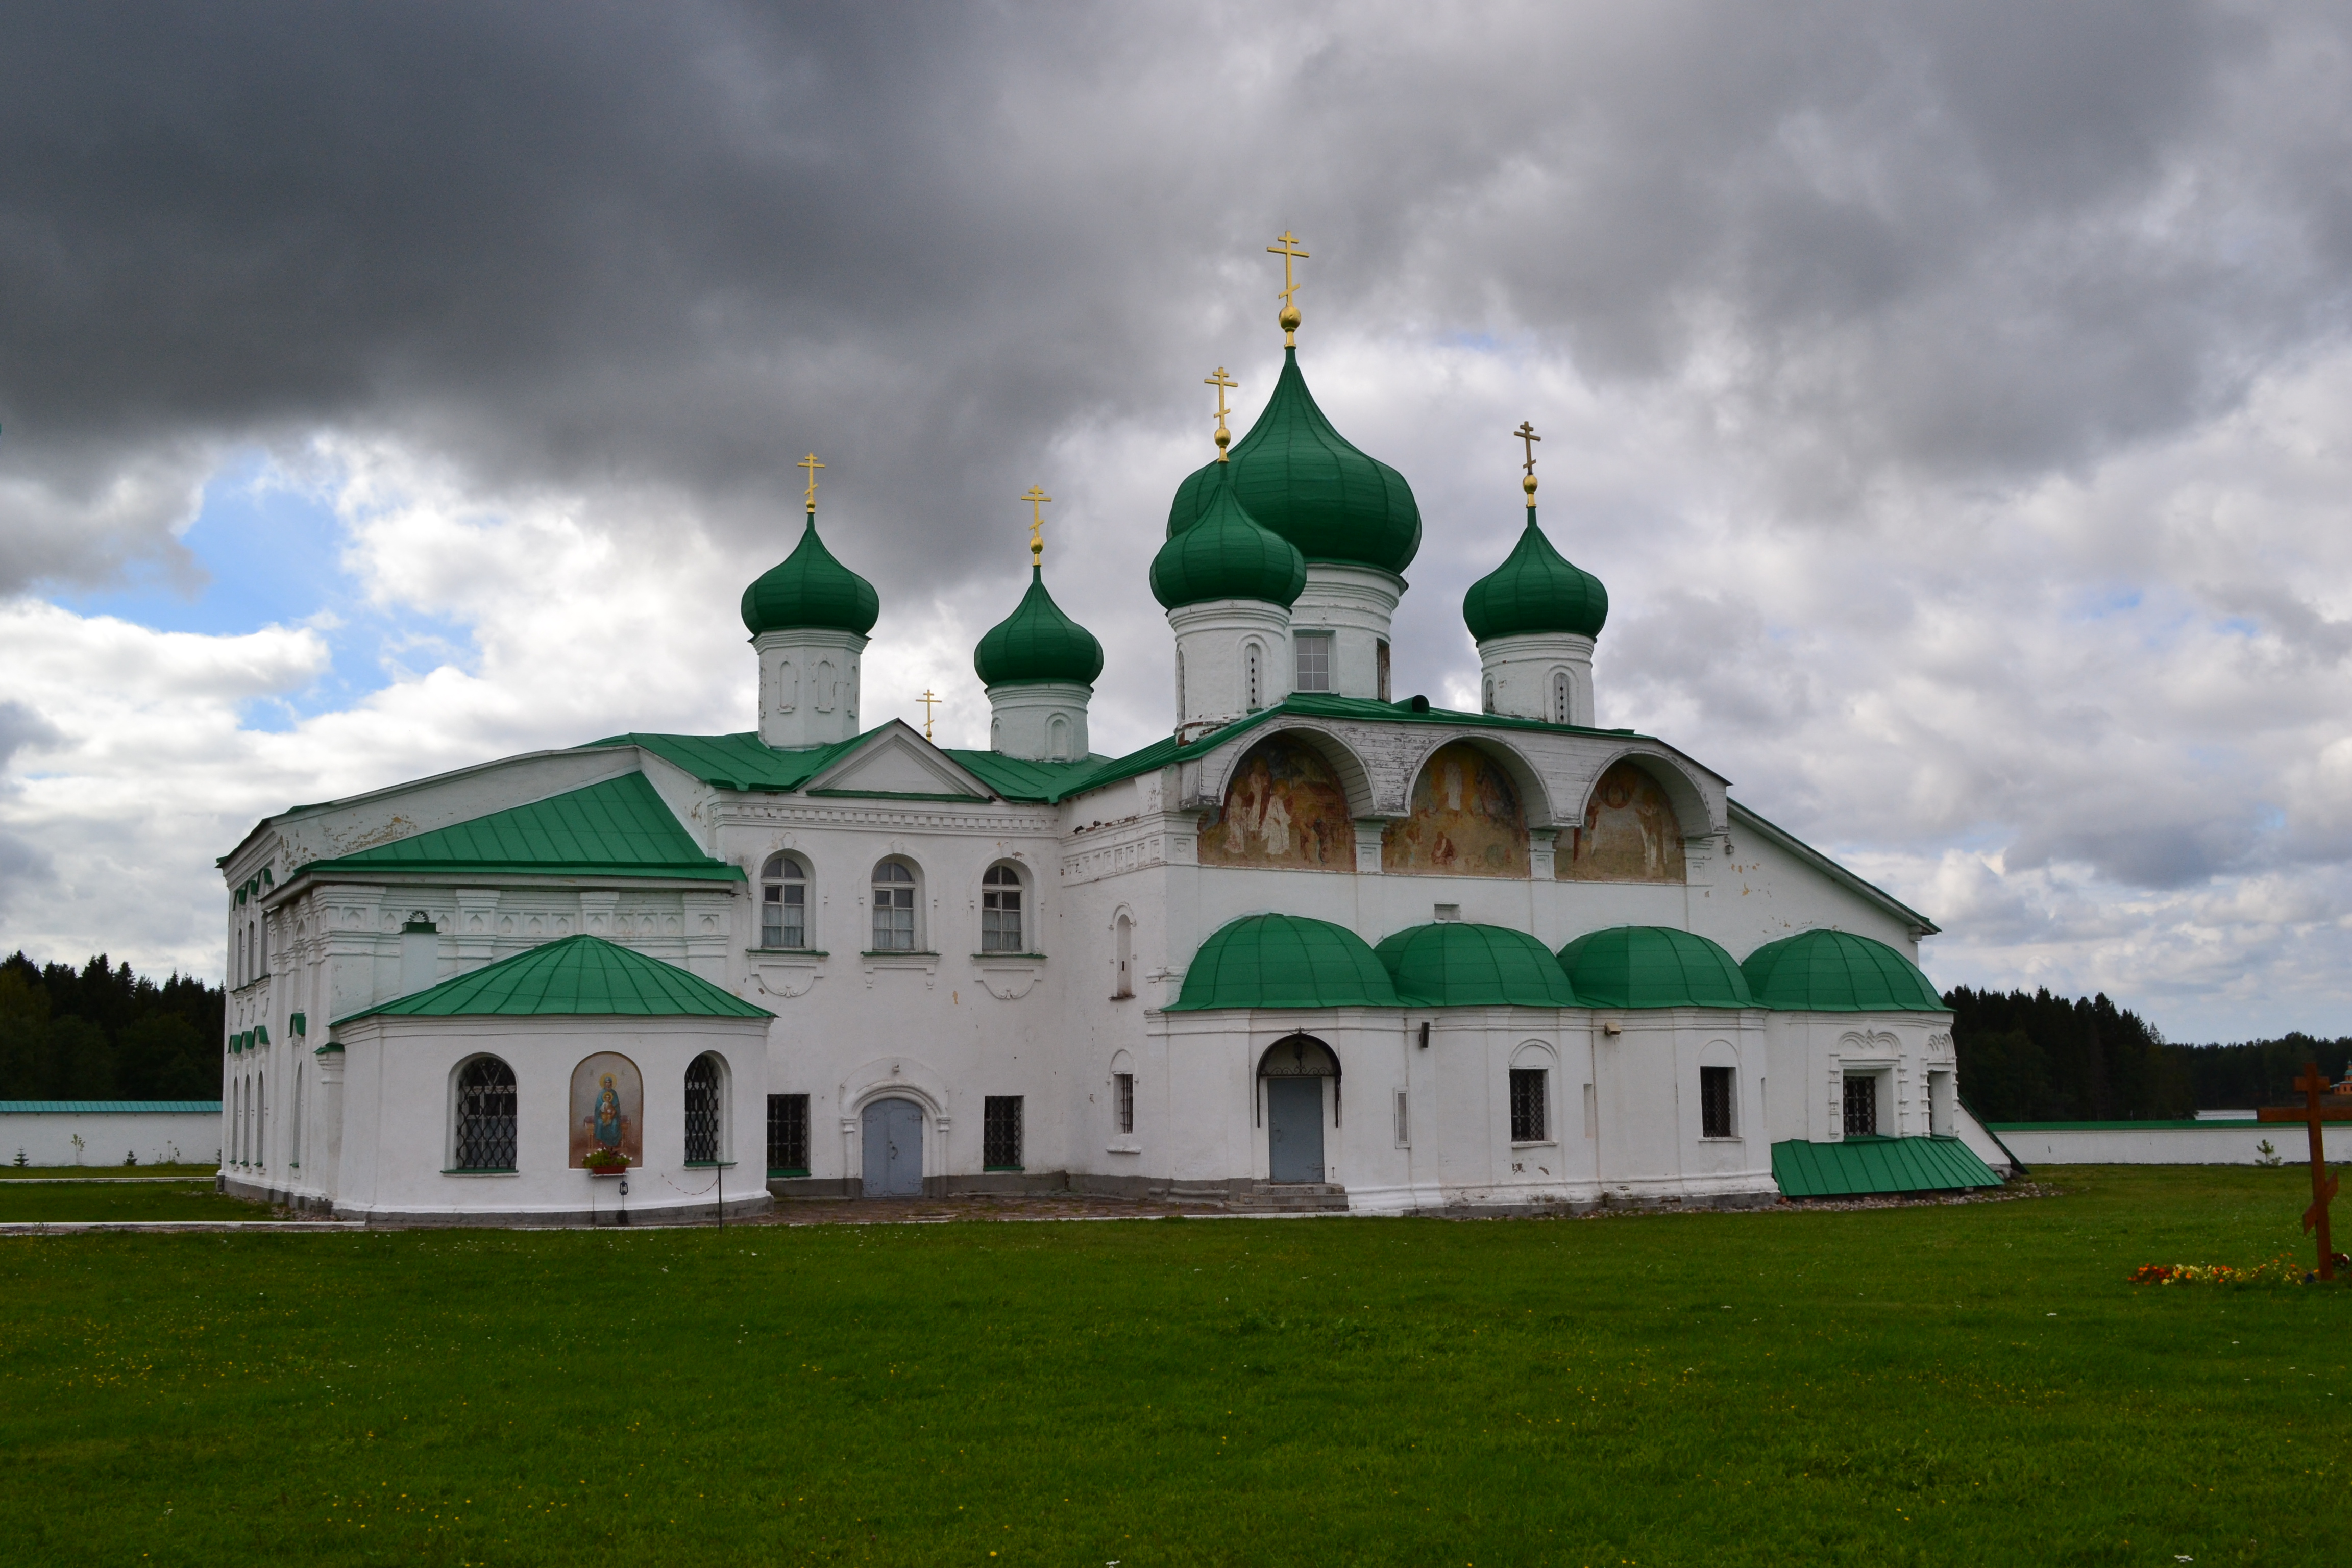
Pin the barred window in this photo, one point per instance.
(1715, 1102)
(1000, 1132)
(703, 1104)
(999, 910)
(486, 1116)
(894, 908)
(1861, 1105)
(1314, 661)
(1562, 693)
(1123, 1101)
(788, 1134)
(1254, 698)
(783, 903)
(1527, 1120)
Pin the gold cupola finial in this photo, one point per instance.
(812, 465)
(1527, 433)
(1286, 246)
(1224, 384)
(928, 702)
(1036, 499)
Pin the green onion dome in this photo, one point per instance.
(1284, 961)
(1225, 554)
(1535, 589)
(1456, 963)
(1837, 971)
(1037, 642)
(810, 589)
(1653, 966)
(1301, 477)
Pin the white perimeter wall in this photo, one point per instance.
(157, 1137)
(2214, 1144)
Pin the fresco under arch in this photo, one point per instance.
(1466, 820)
(1283, 808)
(1631, 833)
(608, 1108)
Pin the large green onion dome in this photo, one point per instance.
(1456, 963)
(1653, 966)
(1037, 642)
(1837, 971)
(1225, 554)
(810, 589)
(1535, 589)
(1284, 961)
(1301, 478)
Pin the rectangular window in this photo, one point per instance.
(1861, 1105)
(999, 913)
(1000, 1132)
(788, 1135)
(1715, 1102)
(1527, 1121)
(784, 916)
(1314, 661)
(1404, 1119)
(1123, 1101)
(893, 919)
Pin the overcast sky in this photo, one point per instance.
(1956, 400)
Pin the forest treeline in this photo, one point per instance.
(101, 1032)
(2032, 1057)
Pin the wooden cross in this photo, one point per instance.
(1286, 246)
(812, 465)
(1224, 384)
(1036, 499)
(2313, 1084)
(928, 702)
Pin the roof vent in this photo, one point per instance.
(1448, 914)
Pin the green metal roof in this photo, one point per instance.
(1037, 642)
(617, 829)
(1226, 553)
(1860, 1166)
(1284, 961)
(1459, 964)
(1535, 589)
(1653, 966)
(743, 761)
(1016, 778)
(810, 589)
(574, 976)
(1837, 971)
(110, 1107)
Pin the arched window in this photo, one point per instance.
(783, 903)
(1563, 689)
(260, 1127)
(1255, 679)
(1179, 683)
(705, 1109)
(486, 1117)
(894, 908)
(1123, 978)
(1057, 738)
(999, 910)
(294, 1134)
(1488, 700)
(237, 977)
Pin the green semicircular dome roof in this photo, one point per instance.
(1535, 589)
(1284, 961)
(1302, 478)
(1226, 555)
(1457, 964)
(574, 975)
(1653, 966)
(809, 588)
(1837, 971)
(1037, 642)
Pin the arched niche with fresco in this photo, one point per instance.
(1630, 833)
(1283, 808)
(1467, 820)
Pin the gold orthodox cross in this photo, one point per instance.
(1036, 499)
(1224, 384)
(1286, 246)
(928, 702)
(1527, 433)
(812, 465)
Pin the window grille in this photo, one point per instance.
(999, 910)
(1486, 696)
(1314, 661)
(1560, 696)
(1861, 1106)
(1527, 1123)
(1715, 1102)
(702, 1106)
(788, 1134)
(1123, 1101)
(894, 908)
(783, 903)
(486, 1116)
(1000, 1132)
(1256, 699)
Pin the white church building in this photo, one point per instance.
(1320, 947)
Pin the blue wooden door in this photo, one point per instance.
(1294, 1121)
(894, 1149)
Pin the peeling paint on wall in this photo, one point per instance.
(1631, 834)
(1466, 820)
(1285, 807)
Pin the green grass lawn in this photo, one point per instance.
(99, 1200)
(94, 1172)
(1970, 1384)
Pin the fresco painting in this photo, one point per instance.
(1285, 807)
(1630, 834)
(1466, 820)
(608, 1108)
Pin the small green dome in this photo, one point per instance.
(810, 588)
(1225, 554)
(1653, 966)
(1535, 589)
(1301, 479)
(1837, 971)
(1455, 964)
(1284, 961)
(1037, 642)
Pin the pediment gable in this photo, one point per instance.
(897, 761)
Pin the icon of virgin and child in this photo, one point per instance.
(607, 1097)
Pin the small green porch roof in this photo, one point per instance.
(1284, 961)
(617, 829)
(1460, 963)
(1653, 966)
(1863, 1166)
(1837, 971)
(574, 976)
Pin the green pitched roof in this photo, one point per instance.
(1837, 971)
(810, 589)
(617, 829)
(575, 976)
(1860, 1166)
(1037, 642)
(1653, 966)
(1226, 553)
(1459, 964)
(1535, 589)
(1284, 961)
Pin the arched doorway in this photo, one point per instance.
(1294, 1071)
(894, 1149)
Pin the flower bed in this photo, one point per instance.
(2284, 1269)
